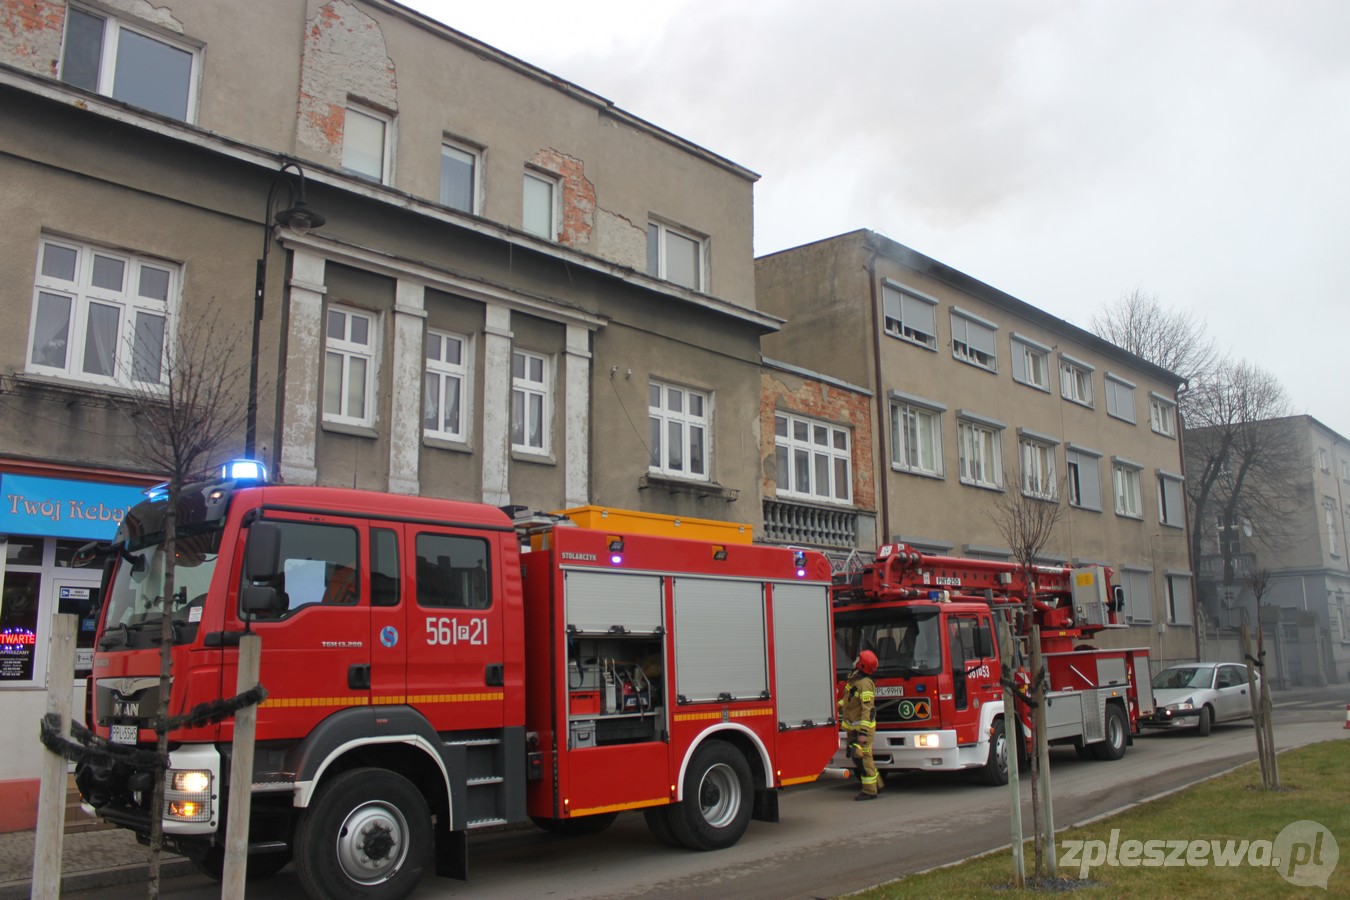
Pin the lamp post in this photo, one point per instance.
(299, 218)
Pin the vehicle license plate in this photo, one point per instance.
(123, 734)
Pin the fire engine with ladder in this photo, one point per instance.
(939, 697)
(431, 670)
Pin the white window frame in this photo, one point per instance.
(1125, 483)
(1030, 362)
(919, 325)
(969, 334)
(658, 253)
(980, 452)
(1345, 470)
(1038, 475)
(1162, 415)
(343, 351)
(1323, 459)
(386, 123)
(1179, 600)
(554, 189)
(105, 80)
(475, 155)
(524, 388)
(439, 373)
(821, 449)
(1171, 500)
(1083, 478)
(1119, 398)
(81, 294)
(695, 431)
(916, 437)
(1075, 380)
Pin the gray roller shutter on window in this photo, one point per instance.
(719, 640)
(803, 672)
(598, 601)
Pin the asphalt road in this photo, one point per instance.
(918, 823)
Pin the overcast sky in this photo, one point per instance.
(1064, 151)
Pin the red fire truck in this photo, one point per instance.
(427, 676)
(930, 621)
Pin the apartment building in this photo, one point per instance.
(1305, 601)
(470, 278)
(976, 393)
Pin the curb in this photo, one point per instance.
(97, 878)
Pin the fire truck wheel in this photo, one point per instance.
(366, 834)
(717, 792)
(658, 822)
(576, 827)
(995, 771)
(1206, 719)
(1117, 733)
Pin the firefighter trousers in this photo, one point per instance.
(860, 749)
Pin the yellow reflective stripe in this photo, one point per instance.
(384, 700)
(866, 696)
(868, 779)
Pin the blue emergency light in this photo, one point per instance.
(244, 470)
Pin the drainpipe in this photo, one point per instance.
(880, 421)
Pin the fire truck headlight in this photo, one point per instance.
(187, 796)
(927, 741)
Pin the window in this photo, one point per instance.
(384, 580)
(1345, 470)
(980, 453)
(1030, 362)
(1323, 459)
(1083, 478)
(813, 458)
(675, 256)
(1162, 415)
(108, 57)
(1038, 469)
(973, 340)
(1075, 380)
(365, 144)
(1125, 477)
(1179, 603)
(99, 315)
(909, 316)
(530, 408)
(318, 565)
(452, 572)
(1119, 397)
(1333, 535)
(349, 367)
(459, 177)
(1170, 507)
(446, 377)
(540, 206)
(1138, 595)
(677, 430)
(916, 439)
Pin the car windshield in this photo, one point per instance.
(907, 642)
(1184, 677)
(136, 596)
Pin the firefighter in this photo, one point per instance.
(857, 711)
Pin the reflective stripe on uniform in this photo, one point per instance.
(865, 696)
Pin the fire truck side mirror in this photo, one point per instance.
(984, 642)
(1117, 598)
(263, 554)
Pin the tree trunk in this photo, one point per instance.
(165, 680)
(1258, 728)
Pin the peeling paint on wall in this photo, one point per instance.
(30, 34)
(619, 240)
(344, 58)
(578, 196)
(827, 403)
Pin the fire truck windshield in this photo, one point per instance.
(136, 596)
(907, 641)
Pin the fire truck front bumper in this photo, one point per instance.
(918, 749)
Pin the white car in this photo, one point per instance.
(1200, 694)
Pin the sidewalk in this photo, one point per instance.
(89, 859)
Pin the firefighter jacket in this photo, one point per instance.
(857, 710)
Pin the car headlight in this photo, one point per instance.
(1182, 705)
(927, 741)
(187, 797)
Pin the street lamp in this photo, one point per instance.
(299, 218)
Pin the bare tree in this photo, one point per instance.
(1259, 583)
(1171, 338)
(1026, 514)
(186, 408)
(1244, 461)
